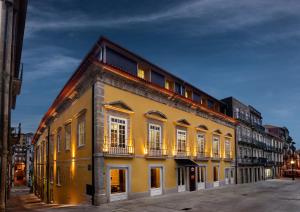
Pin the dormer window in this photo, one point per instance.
(210, 104)
(141, 73)
(188, 94)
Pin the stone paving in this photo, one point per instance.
(273, 195)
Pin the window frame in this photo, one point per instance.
(58, 141)
(118, 131)
(58, 176)
(160, 136)
(199, 142)
(177, 140)
(218, 152)
(81, 119)
(70, 136)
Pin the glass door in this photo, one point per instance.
(118, 184)
(201, 177)
(232, 176)
(226, 176)
(216, 176)
(181, 179)
(156, 181)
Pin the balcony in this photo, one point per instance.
(216, 157)
(245, 161)
(242, 117)
(155, 153)
(118, 147)
(202, 156)
(245, 140)
(228, 158)
(181, 154)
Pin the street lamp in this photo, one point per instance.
(293, 162)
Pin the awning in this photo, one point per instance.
(186, 162)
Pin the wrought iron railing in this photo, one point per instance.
(202, 155)
(113, 146)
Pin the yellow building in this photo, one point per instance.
(124, 128)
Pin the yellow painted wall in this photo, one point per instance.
(73, 163)
(139, 133)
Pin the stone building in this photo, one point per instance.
(124, 128)
(12, 23)
(260, 148)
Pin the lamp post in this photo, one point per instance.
(292, 163)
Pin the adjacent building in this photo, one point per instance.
(259, 149)
(125, 128)
(12, 23)
(22, 160)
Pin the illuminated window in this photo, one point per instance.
(216, 145)
(154, 137)
(117, 181)
(155, 177)
(68, 136)
(216, 173)
(118, 132)
(81, 131)
(167, 85)
(181, 140)
(141, 73)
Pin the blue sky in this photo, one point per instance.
(246, 49)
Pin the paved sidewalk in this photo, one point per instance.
(278, 195)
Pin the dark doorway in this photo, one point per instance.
(192, 172)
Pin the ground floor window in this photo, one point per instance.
(117, 181)
(201, 174)
(155, 177)
(181, 179)
(216, 173)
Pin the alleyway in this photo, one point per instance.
(22, 200)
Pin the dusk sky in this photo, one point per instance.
(246, 49)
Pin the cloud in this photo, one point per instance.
(206, 16)
(53, 62)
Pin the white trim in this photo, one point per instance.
(183, 131)
(160, 135)
(126, 128)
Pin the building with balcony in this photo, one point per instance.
(12, 24)
(250, 143)
(276, 139)
(125, 128)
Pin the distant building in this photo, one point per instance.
(22, 160)
(12, 24)
(259, 150)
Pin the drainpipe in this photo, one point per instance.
(48, 167)
(93, 141)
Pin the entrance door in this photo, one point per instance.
(232, 176)
(201, 177)
(181, 179)
(226, 176)
(216, 176)
(156, 181)
(118, 184)
(192, 177)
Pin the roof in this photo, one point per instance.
(90, 58)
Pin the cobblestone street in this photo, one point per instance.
(272, 195)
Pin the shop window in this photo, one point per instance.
(117, 181)
(155, 177)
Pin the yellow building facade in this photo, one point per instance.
(123, 128)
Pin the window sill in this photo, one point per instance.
(80, 146)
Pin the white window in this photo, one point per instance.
(58, 141)
(81, 130)
(68, 136)
(181, 140)
(227, 148)
(216, 145)
(201, 142)
(118, 132)
(58, 176)
(154, 137)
